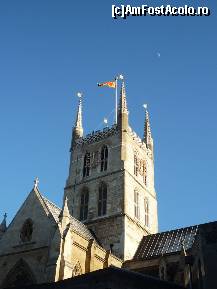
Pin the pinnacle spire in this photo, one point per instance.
(65, 216)
(65, 207)
(3, 225)
(123, 100)
(78, 123)
(147, 130)
(78, 129)
(122, 110)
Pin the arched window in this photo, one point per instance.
(163, 271)
(84, 204)
(144, 171)
(136, 204)
(86, 167)
(146, 206)
(19, 275)
(102, 200)
(136, 165)
(26, 231)
(104, 158)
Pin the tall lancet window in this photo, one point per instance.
(136, 204)
(84, 204)
(146, 206)
(104, 158)
(102, 200)
(86, 167)
(136, 165)
(144, 172)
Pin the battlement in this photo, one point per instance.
(97, 135)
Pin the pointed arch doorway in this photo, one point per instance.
(19, 275)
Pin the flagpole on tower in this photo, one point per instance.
(113, 84)
(116, 99)
(116, 96)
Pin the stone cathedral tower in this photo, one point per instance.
(110, 186)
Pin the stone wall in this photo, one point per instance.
(118, 226)
(110, 232)
(34, 252)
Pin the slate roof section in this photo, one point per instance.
(81, 228)
(53, 209)
(169, 242)
(76, 225)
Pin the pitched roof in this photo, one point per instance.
(52, 208)
(81, 228)
(76, 225)
(166, 243)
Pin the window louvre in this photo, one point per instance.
(104, 158)
(136, 165)
(102, 200)
(84, 204)
(146, 205)
(86, 167)
(136, 204)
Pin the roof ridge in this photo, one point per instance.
(79, 227)
(46, 199)
(82, 225)
(167, 242)
(78, 221)
(180, 228)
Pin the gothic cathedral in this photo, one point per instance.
(108, 218)
(109, 205)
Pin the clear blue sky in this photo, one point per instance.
(49, 50)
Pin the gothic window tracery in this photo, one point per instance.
(84, 204)
(102, 199)
(144, 168)
(104, 158)
(94, 159)
(146, 205)
(26, 231)
(86, 166)
(136, 164)
(136, 204)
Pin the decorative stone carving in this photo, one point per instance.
(77, 270)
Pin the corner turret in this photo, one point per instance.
(78, 129)
(148, 140)
(3, 225)
(122, 110)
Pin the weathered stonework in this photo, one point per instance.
(59, 246)
(109, 215)
(100, 220)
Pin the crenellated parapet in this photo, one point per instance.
(97, 135)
